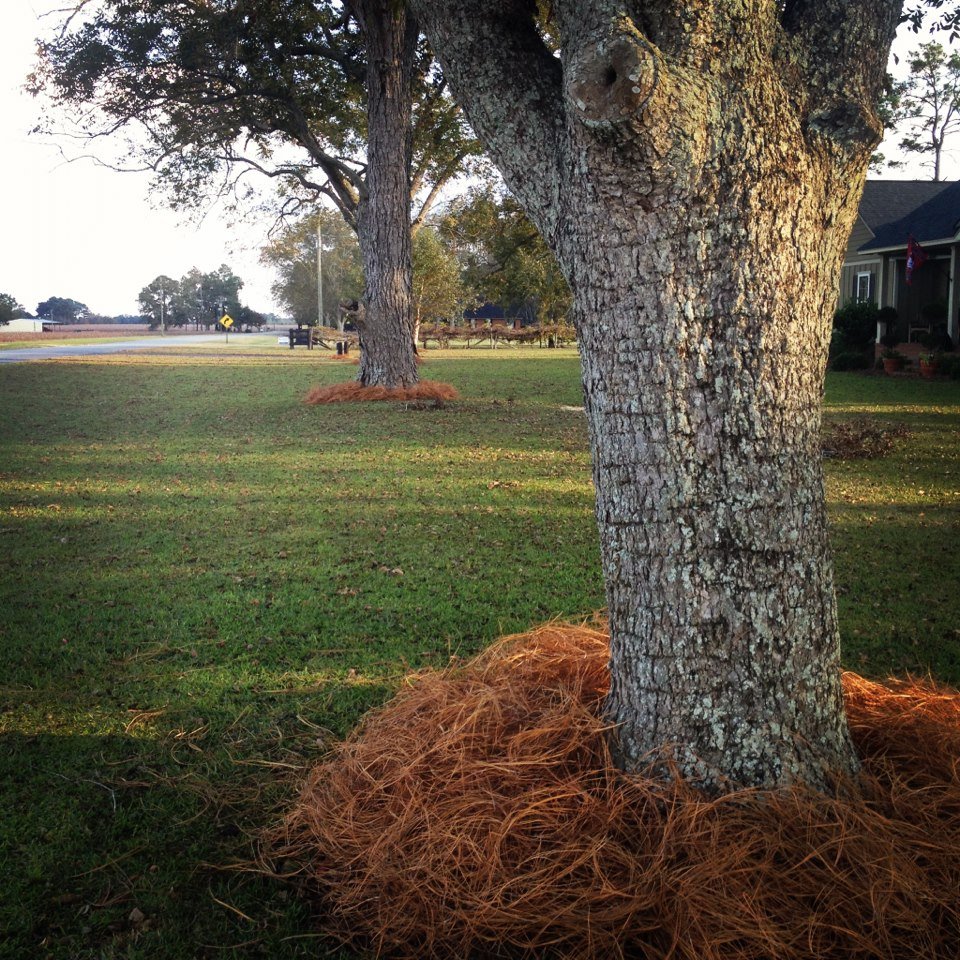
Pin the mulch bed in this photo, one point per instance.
(861, 438)
(353, 392)
(479, 814)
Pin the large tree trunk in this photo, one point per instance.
(696, 167)
(703, 379)
(387, 356)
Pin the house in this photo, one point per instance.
(874, 269)
(514, 315)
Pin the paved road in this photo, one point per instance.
(90, 349)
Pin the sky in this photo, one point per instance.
(73, 229)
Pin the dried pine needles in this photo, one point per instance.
(353, 392)
(479, 814)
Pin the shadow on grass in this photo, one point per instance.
(128, 845)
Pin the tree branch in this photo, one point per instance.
(843, 89)
(509, 84)
(439, 183)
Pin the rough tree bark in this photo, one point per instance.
(696, 166)
(387, 355)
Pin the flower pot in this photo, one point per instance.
(892, 364)
(928, 369)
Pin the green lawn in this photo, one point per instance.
(203, 580)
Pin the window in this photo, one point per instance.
(863, 287)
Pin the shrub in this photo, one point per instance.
(856, 323)
(889, 317)
(849, 360)
(950, 367)
(937, 340)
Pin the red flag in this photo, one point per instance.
(916, 255)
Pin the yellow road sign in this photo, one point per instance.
(226, 321)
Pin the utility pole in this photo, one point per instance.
(319, 271)
(163, 297)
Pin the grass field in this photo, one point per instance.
(203, 580)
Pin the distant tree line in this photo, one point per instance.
(58, 309)
(197, 300)
(479, 248)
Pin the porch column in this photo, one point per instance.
(953, 301)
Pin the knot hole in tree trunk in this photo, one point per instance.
(611, 81)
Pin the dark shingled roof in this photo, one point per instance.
(494, 311)
(895, 210)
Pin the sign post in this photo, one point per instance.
(226, 321)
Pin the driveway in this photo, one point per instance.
(90, 349)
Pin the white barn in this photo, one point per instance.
(30, 325)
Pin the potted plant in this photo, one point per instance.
(929, 365)
(893, 360)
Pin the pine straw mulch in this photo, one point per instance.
(860, 438)
(350, 358)
(478, 814)
(425, 391)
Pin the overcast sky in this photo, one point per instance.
(77, 230)
(81, 231)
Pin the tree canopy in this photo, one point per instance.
(925, 107)
(439, 292)
(10, 309)
(208, 91)
(933, 14)
(292, 253)
(505, 259)
(62, 310)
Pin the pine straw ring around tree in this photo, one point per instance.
(426, 391)
(478, 814)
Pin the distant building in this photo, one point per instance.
(496, 315)
(30, 325)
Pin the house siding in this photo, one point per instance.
(856, 262)
(860, 235)
(848, 279)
